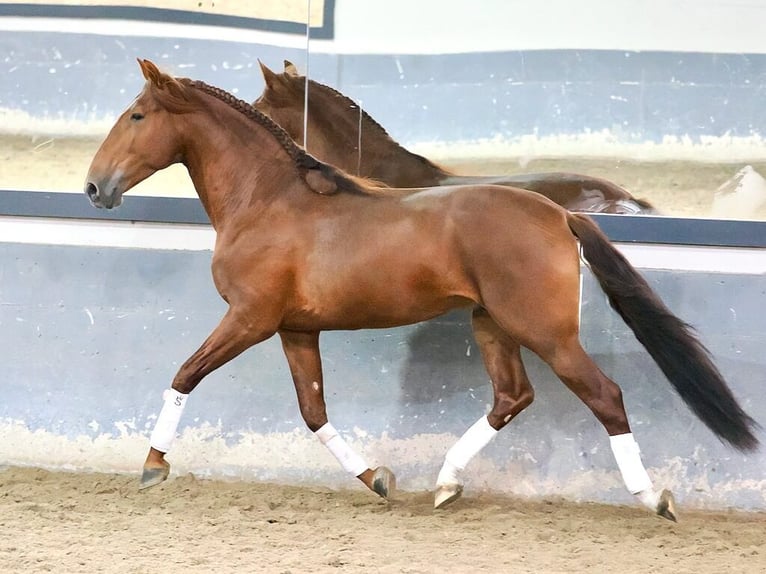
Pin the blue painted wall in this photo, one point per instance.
(90, 336)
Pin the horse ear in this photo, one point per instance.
(162, 81)
(268, 76)
(149, 70)
(291, 69)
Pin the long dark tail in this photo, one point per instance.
(670, 342)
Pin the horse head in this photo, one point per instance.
(142, 140)
(282, 98)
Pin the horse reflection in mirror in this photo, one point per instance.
(342, 134)
(302, 247)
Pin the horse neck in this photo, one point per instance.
(399, 167)
(232, 164)
(381, 158)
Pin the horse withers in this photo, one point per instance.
(303, 247)
(341, 133)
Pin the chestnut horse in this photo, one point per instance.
(360, 145)
(301, 247)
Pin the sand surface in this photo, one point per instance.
(680, 188)
(74, 522)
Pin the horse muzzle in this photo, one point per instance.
(106, 195)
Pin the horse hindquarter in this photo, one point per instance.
(524, 259)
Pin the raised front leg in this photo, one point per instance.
(234, 334)
(302, 352)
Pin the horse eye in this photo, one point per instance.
(135, 116)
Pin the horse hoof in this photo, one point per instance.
(666, 507)
(447, 494)
(154, 476)
(383, 482)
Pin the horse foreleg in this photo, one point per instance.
(512, 394)
(233, 335)
(302, 352)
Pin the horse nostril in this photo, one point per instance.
(91, 190)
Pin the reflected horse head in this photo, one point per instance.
(340, 131)
(278, 100)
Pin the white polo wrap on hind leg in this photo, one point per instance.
(349, 460)
(167, 423)
(628, 457)
(461, 453)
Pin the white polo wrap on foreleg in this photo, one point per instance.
(167, 423)
(349, 460)
(461, 453)
(628, 457)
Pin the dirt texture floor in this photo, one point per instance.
(72, 522)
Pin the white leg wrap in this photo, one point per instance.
(167, 423)
(461, 453)
(649, 498)
(627, 455)
(349, 460)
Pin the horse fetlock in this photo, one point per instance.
(449, 485)
(346, 456)
(627, 454)
(449, 474)
(164, 432)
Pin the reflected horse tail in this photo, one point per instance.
(670, 341)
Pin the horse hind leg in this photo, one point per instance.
(512, 394)
(603, 397)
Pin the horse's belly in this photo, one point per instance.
(378, 314)
(379, 296)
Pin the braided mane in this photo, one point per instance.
(350, 103)
(334, 179)
(298, 154)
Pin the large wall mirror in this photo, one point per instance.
(663, 101)
(652, 98)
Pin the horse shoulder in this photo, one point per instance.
(254, 262)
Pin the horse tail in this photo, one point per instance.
(646, 207)
(683, 359)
